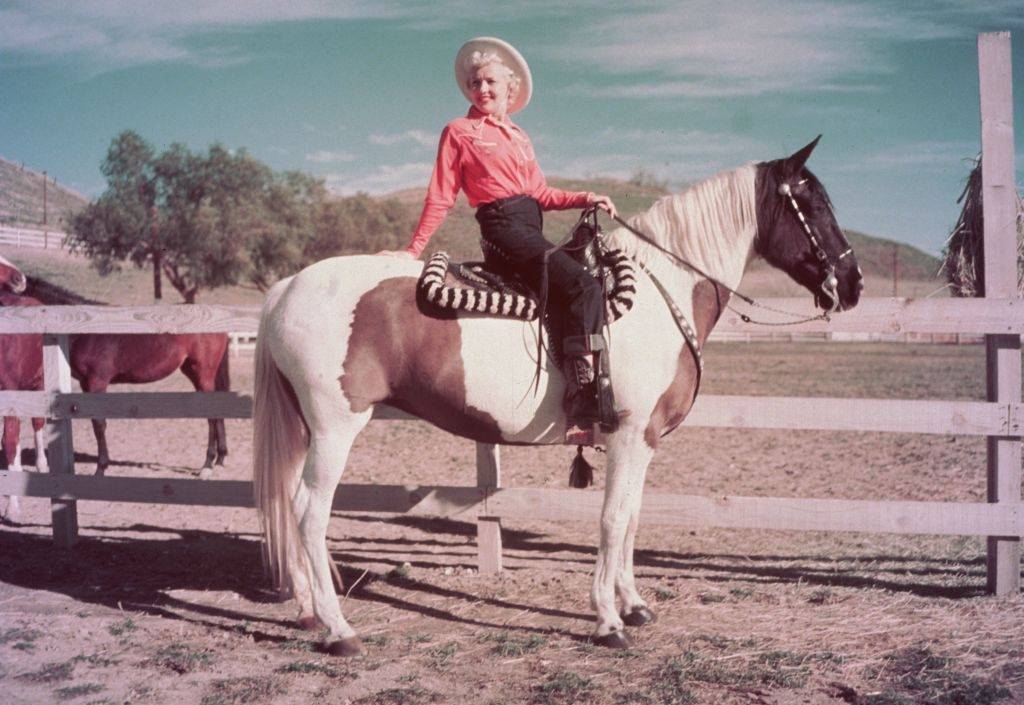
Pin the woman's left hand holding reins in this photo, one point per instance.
(604, 203)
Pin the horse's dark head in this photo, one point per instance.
(11, 277)
(798, 232)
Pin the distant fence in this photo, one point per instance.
(32, 237)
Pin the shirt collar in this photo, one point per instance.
(479, 118)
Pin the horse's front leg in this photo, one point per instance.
(628, 456)
(635, 612)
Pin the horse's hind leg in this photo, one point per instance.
(628, 456)
(99, 426)
(38, 434)
(328, 452)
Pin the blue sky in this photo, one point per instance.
(357, 92)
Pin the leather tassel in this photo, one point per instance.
(581, 473)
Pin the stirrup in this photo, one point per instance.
(602, 410)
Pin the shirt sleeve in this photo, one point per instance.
(444, 186)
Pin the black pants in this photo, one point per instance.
(512, 226)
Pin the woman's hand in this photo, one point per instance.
(397, 254)
(604, 203)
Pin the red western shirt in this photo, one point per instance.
(488, 160)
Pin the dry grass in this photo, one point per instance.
(744, 616)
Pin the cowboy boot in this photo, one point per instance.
(588, 391)
(579, 403)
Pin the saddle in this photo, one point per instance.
(490, 289)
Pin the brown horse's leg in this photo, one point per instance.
(38, 425)
(222, 383)
(207, 368)
(12, 454)
(12, 449)
(99, 426)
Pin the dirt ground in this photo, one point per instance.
(167, 604)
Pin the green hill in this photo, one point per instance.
(21, 197)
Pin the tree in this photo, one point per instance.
(118, 226)
(222, 217)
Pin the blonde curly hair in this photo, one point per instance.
(479, 59)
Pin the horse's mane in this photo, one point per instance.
(711, 224)
(50, 293)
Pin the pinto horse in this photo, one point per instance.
(98, 360)
(346, 333)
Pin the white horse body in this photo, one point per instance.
(345, 334)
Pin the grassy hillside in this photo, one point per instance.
(460, 236)
(21, 197)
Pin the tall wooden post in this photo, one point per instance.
(60, 451)
(488, 529)
(1002, 352)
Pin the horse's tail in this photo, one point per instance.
(280, 442)
(222, 382)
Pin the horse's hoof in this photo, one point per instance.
(639, 616)
(309, 624)
(206, 473)
(348, 647)
(614, 640)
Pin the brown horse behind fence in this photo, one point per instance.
(98, 360)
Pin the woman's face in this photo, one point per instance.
(490, 89)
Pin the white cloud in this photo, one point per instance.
(323, 156)
(420, 137)
(117, 33)
(385, 179)
(711, 49)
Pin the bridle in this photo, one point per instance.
(829, 283)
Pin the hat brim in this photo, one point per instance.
(509, 56)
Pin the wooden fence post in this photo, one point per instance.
(1002, 352)
(60, 450)
(488, 528)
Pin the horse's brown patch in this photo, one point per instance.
(400, 356)
(709, 301)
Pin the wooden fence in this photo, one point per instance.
(999, 317)
(32, 237)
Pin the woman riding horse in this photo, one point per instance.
(491, 158)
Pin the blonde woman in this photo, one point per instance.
(491, 159)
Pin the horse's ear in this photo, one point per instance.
(792, 165)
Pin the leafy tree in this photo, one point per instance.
(204, 220)
(117, 226)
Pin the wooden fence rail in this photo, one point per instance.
(974, 316)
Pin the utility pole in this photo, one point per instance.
(157, 256)
(895, 270)
(46, 234)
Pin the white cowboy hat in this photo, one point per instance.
(509, 56)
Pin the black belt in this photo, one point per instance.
(501, 203)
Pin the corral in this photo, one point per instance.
(780, 576)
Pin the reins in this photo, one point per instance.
(829, 284)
